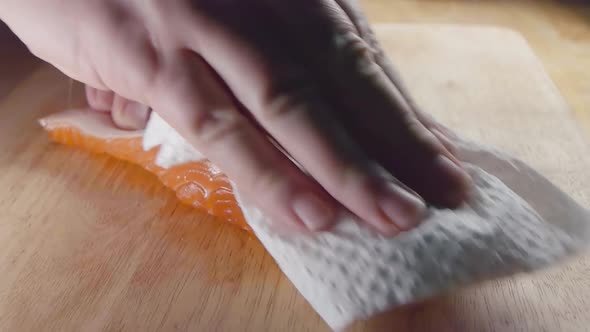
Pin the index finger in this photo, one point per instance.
(370, 104)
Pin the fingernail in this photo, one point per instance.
(313, 212)
(461, 180)
(402, 208)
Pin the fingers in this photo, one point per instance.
(191, 99)
(351, 8)
(126, 114)
(130, 115)
(371, 106)
(328, 154)
(283, 100)
(354, 13)
(99, 100)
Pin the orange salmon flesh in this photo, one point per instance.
(198, 184)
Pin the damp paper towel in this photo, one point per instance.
(514, 221)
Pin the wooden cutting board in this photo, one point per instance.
(90, 243)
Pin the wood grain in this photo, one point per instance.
(557, 30)
(493, 89)
(90, 243)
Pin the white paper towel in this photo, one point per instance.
(514, 221)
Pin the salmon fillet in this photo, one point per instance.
(199, 184)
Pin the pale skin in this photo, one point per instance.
(238, 78)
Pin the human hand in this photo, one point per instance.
(227, 75)
(126, 114)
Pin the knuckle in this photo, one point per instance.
(348, 166)
(283, 104)
(215, 125)
(289, 93)
(351, 51)
(130, 41)
(424, 141)
(209, 117)
(352, 177)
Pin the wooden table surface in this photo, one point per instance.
(558, 31)
(560, 36)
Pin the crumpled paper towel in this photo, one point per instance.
(514, 221)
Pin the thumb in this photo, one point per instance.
(126, 114)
